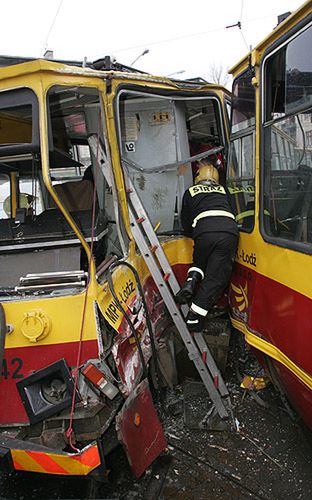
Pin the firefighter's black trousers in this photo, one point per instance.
(214, 254)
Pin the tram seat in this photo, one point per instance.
(75, 195)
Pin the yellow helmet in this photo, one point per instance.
(206, 172)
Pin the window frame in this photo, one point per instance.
(28, 97)
(7, 175)
(249, 130)
(279, 44)
(169, 95)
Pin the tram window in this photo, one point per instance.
(247, 157)
(241, 170)
(287, 163)
(298, 72)
(19, 125)
(243, 103)
(29, 198)
(288, 77)
(75, 115)
(5, 206)
(241, 181)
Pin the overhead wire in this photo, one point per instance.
(181, 37)
(52, 26)
(240, 26)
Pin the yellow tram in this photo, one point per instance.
(71, 363)
(270, 179)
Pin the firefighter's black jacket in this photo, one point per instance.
(204, 197)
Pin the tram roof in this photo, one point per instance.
(15, 66)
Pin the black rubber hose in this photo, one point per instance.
(3, 330)
(148, 320)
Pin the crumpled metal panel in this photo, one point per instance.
(140, 430)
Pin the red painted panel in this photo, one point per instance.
(284, 316)
(281, 316)
(22, 361)
(140, 430)
(297, 392)
(125, 349)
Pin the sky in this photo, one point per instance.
(184, 39)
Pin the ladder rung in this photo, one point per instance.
(140, 220)
(153, 248)
(167, 285)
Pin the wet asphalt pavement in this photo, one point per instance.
(269, 456)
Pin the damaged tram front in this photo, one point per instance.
(79, 310)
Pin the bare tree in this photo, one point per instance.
(218, 74)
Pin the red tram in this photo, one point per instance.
(270, 178)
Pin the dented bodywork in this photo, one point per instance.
(76, 343)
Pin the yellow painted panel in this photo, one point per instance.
(273, 352)
(291, 269)
(65, 318)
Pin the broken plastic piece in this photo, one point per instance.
(254, 383)
(97, 378)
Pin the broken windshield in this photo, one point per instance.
(161, 140)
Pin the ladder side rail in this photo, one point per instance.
(139, 210)
(162, 286)
(178, 319)
(210, 362)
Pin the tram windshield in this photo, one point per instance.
(161, 138)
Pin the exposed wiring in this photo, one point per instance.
(244, 39)
(69, 432)
(241, 12)
(148, 320)
(239, 26)
(182, 37)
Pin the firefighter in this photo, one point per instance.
(207, 218)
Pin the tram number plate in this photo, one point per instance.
(13, 369)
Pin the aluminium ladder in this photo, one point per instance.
(167, 284)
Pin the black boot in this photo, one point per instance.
(184, 296)
(195, 322)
